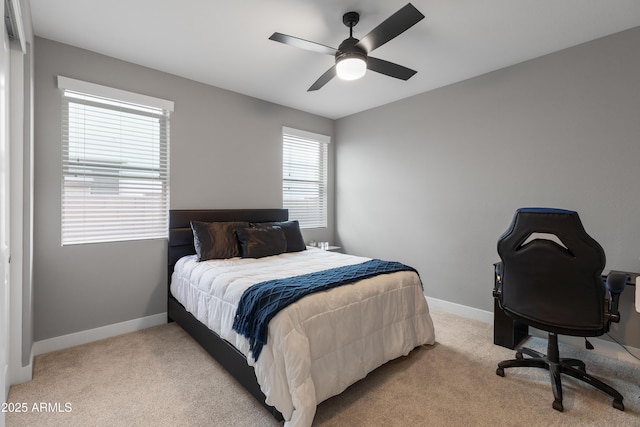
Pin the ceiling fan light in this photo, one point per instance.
(351, 67)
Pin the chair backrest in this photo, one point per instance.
(552, 273)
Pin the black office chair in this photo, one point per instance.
(550, 278)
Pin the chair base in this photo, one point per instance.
(557, 366)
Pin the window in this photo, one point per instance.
(304, 177)
(115, 164)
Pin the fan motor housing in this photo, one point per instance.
(348, 49)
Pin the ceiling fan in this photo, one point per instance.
(352, 56)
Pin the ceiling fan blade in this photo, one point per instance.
(392, 27)
(389, 68)
(324, 79)
(302, 44)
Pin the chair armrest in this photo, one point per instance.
(497, 280)
(615, 285)
(616, 282)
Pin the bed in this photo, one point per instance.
(317, 346)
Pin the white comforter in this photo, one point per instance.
(321, 344)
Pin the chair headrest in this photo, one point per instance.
(561, 223)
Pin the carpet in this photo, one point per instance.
(161, 377)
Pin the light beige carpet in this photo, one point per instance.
(161, 377)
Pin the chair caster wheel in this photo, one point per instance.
(500, 372)
(557, 405)
(618, 404)
(519, 356)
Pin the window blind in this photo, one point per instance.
(304, 177)
(115, 166)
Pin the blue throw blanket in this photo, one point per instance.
(262, 301)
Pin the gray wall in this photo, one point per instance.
(225, 153)
(432, 180)
(435, 179)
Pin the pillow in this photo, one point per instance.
(291, 229)
(216, 240)
(261, 242)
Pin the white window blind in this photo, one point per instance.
(115, 164)
(304, 177)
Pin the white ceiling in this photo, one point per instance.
(225, 43)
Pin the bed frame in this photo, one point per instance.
(181, 244)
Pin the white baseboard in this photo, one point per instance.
(83, 337)
(461, 310)
(22, 374)
(602, 347)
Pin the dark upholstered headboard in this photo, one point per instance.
(181, 236)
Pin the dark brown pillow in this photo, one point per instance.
(291, 229)
(261, 242)
(216, 240)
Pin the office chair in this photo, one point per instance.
(550, 278)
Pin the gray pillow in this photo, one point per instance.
(261, 242)
(291, 229)
(216, 240)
